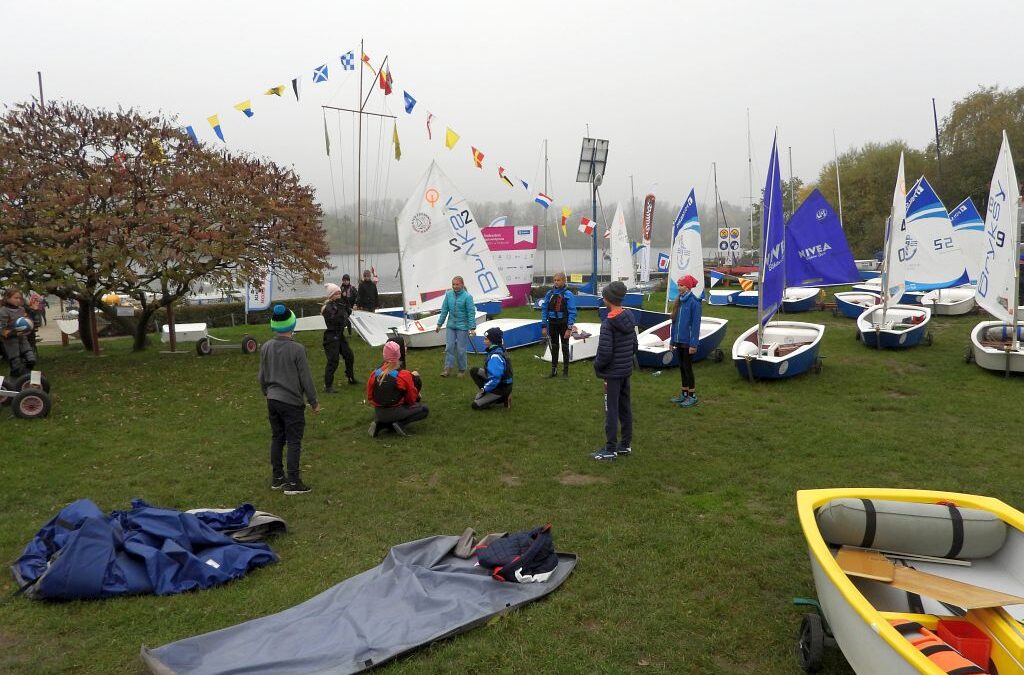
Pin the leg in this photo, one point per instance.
(479, 376)
(331, 346)
(486, 400)
(626, 413)
(565, 351)
(346, 353)
(413, 413)
(294, 428)
(462, 344)
(555, 342)
(277, 437)
(449, 348)
(612, 392)
(686, 368)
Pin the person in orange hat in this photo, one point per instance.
(686, 312)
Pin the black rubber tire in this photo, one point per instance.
(856, 335)
(968, 354)
(31, 404)
(24, 382)
(719, 356)
(203, 347)
(810, 648)
(835, 312)
(817, 366)
(929, 338)
(249, 344)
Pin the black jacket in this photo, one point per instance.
(616, 347)
(335, 315)
(348, 296)
(366, 298)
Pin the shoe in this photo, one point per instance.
(554, 373)
(330, 390)
(604, 455)
(565, 374)
(462, 373)
(372, 430)
(689, 401)
(623, 450)
(278, 482)
(296, 487)
(446, 372)
(678, 399)
(351, 380)
(508, 401)
(397, 428)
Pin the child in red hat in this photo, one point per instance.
(686, 312)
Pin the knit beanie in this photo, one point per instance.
(332, 289)
(615, 293)
(283, 320)
(392, 352)
(688, 281)
(494, 334)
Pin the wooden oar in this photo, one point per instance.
(873, 565)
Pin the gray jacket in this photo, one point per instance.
(284, 372)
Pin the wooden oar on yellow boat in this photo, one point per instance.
(875, 566)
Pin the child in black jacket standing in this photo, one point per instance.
(616, 350)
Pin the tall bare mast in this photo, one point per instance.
(839, 187)
(750, 187)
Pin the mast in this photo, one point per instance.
(839, 187)
(718, 226)
(359, 170)
(792, 210)
(1015, 288)
(750, 186)
(765, 211)
(632, 202)
(545, 211)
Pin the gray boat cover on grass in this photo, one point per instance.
(419, 594)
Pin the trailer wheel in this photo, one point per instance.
(24, 382)
(856, 335)
(835, 312)
(968, 354)
(811, 645)
(249, 344)
(31, 404)
(203, 347)
(718, 356)
(929, 338)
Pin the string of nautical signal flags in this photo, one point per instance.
(385, 81)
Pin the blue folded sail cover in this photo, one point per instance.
(421, 592)
(82, 553)
(817, 253)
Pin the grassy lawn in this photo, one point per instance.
(690, 551)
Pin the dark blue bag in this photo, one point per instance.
(523, 557)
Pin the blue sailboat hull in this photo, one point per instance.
(802, 305)
(886, 339)
(744, 299)
(781, 370)
(643, 318)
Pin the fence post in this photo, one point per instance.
(232, 319)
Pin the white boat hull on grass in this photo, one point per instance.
(580, 348)
(950, 301)
(721, 296)
(788, 348)
(655, 343)
(423, 333)
(870, 286)
(798, 299)
(991, 347)
(852, 304)
(374, 328)
(905, 326)
(515, 333)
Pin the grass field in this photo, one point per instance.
(690, 551)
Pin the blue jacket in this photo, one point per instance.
(569, 307)
(460, 308)
(497, 369)
(686, 322)
(616, 347)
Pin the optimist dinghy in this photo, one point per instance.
(655, 343)
(949, 301)
(994, 347)
(582, 343)
(422, 333)
(721, 296)
(895, 326)
(914, 581)
(852, 304)
(817, 254)
(797, 299)
(515, 333)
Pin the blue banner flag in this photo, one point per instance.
(192, 134)
(816, 250)
(320, 73)
(773, 254)
(348, 60)
(410, 102)
(686, 254)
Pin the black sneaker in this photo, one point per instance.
(296, 487)
(398, 429)
(330, 390)
(278, 482)
(372, 430)
(565, 373)
(554, 373)
(351, 380)
(604, 455)
(623, 450)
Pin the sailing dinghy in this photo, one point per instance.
(775, 349)
(968, 234)
(852, 304)
(655, 344)
(515, 333)
(888, 324)
(888, 563)
(423, 333)
(996, 345)
(582, 343)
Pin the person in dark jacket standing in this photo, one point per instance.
(287, 383)
(336, 313)
(495, 378)
(686, 311)
(616, 350)
(348, 296)
(366, 296)
(557, 319)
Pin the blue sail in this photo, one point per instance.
(773, 254)
(816, 250)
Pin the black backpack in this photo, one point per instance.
(386, 393)
(519, 555)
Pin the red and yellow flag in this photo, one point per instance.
(478, 158)
(746, 284)
(566, 212)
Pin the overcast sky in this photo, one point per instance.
(667, 83)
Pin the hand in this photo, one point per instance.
(544, 331)
(316, 408)
(438, 329)
(568, 332)
(672, 347)
(472, 332)
(693, 350)
(415, 372)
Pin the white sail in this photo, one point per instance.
(622, 253)
(932, 257)
(895, 272)
(997, 281)
(438, 238)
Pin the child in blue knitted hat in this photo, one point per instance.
(287, 383)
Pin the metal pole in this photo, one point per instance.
(359, 170)
(545, 212)
(839, 188)
(632, 203)
(792, 195)
(750, 187)
(938, 147)
(593, 185)
(42, 102)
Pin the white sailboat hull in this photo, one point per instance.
(904, 326)
(788, 348)
(375, 329)
(995, 354)
(950, 301)
(580, 348)
(423, 333)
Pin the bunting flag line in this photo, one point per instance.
(430, 116)
(385, 81)
(746, 284)
(502, 176)
(320, 74)
(398, 146)
(295, 87)
(543, 199)
(566, 212)
(327, 137)
(348, 60)
(274, 91)
(636, 246)
(214, 121)
(478, 157)
(410, 102)
(245, 107)
(192, 134)
(586, 225)
(450, 138)
(714, 277)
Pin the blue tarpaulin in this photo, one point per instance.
(84, 553)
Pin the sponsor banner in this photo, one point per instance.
(514, 249)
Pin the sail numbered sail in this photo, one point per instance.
(773, 253)
(931, 256)
(969, 235)
(686, 256)
(997, 279)
(894, 271)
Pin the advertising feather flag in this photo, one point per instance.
(245, 107)
(274, 91)
(566, 212)
(320, 74)
(348, 60)
(214, 121)
(410, 102)
(543, 199)
(394, 139)
(587, 225)
(450, 138)
(478, 157)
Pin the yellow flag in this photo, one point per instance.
(274, 91)
(566, 212)
(394, 139)
(746, 284)
(576, 278)
(450, 138)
